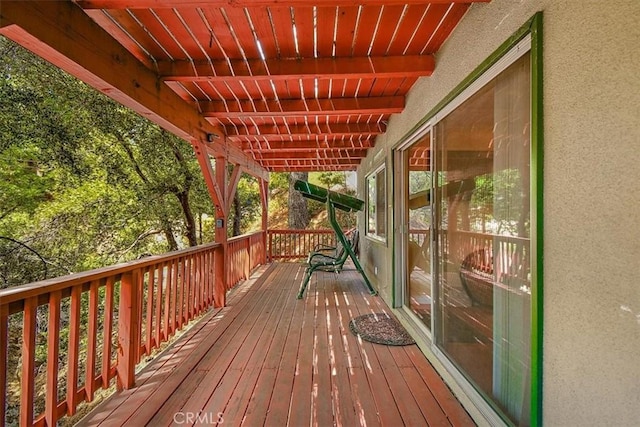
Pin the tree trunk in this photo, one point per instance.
(298, 212)
(190, 222)
(168, 233)
(236, 215)
(183, 197)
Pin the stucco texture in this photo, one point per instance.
(591, 182)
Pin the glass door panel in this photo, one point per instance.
(418, 295)
(482, 221)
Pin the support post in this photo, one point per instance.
(264, 199)
(220, 293)
(128, 327)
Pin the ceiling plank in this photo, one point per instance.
(306, 68)
(339, 144)
(157, 4)
(61, 33)
(325, 129)
(287, 107)
(311, 164)
(359, 153)
(313, 168)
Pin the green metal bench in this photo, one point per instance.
(345, 248)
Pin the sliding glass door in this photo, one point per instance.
(466, 276)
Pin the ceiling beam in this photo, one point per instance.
(339, 144)
(265, 132)
(61, 33)
(306, 68)
(158, 4)
(358, 153)
(285, 107)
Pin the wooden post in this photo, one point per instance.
(264, 199)
(220, 293)
(128, 328)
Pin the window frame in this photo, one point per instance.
(375, 235)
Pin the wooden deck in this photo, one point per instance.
(270, 359)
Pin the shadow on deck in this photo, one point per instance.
(270, 359)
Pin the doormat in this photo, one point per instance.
(380, 328)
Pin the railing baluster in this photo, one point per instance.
(203, 282)
(28, 360)
(173, 311)
(197, 286)
(73, 354)
(53, 348)
(180, 295)
(139, 288)
(107, 331)
(189, 294)
(159, 303)
(150, 299)
(92, 333)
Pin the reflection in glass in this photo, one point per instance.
(483, 229)
(376, 203)
(419, 219)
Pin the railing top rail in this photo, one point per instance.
(304, 231)
(29, 290)
(244, 236)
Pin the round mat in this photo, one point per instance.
(380, 328)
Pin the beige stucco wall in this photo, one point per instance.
(591, 189)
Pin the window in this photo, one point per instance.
(376, 203)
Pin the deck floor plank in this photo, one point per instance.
(223, 378)
(278, 411)
(236, 407)
(362, 398)
(264, 389)
(342, 398)
(322, 406)
(300, 406)
(270, 359)
(388, 409)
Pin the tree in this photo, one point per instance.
(85, 182)
(298, 211)
(331, 179)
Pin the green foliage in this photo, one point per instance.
(249, 206)
(85, 182)
(332, 179)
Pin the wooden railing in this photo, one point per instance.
(296, 244)
(91, 327)
(244, 253)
